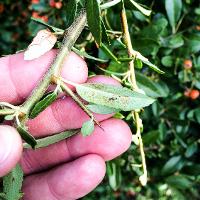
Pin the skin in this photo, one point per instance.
(69, 169)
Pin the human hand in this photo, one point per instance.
(69, 169)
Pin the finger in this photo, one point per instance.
(67, 182)
(110, 143)
(65, 114)
(18, 77)
(10, 148)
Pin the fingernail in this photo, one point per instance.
(5, 146)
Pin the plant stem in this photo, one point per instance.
(7, 111)
(76, 99)
(129, 47)
(135, 114)
(70, 36)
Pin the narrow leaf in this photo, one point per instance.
(152, 66)
(173, 9)
(44, 142)
(87, 127)
(110, 4)
(113, 96)
(70, 9)
(43, 104)
(114, 175)
(94, 19)
(84, 54)
(147, 62)
(105, 37)
(12, 184)
(26, 136)
(101, 109)
(108, 52)
(39, 21)
(140, 8)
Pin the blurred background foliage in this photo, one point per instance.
(170, 38)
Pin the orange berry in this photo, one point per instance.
(35, 14)
(198, 28)
(194, 94)
(52, 3)
(58, 5)
(35, 1)
(1, 7)
(187, 64)
(44, 18)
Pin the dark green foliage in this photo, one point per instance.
(43, 104)
(171, 124)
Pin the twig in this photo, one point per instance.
(70, 37)
(75, 98)
(135, 114)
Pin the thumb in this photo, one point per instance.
(10, 149)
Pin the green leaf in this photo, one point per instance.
(150, 87)
(44, 142)
(105, 37)
(114, 175)
(162, 130)
(179, 182)
(193, 43)
(167, 61)
(43, 104)
(2, 196)
(171, 165)
(197, 114)
(152, 66)
(141, 8)
(101, 109)
(151, 137)
(110, 4)
(108, 52)
(12, 184)
(39, 21)
(191, 150)
(173, 9)
(87, 127)
(70, 9)
(27, 137)
(84, 54)
(113, 96)
(9, 117)
(94, 19)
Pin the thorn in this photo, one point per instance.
(98, 124)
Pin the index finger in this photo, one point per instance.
(18, 77)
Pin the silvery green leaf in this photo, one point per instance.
(12, 184)
(113, 96)
(44, 142)
(87, 127)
